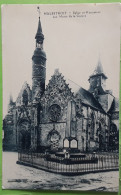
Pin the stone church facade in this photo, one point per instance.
(61, 115)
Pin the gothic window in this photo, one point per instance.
(113, 138)
(98, 82)
(82, 144)
(102, 121)
(54, 112)
(99, 130)
(25, 98)
(92, 126)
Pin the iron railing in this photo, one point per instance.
(53, 163)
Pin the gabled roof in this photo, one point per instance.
(88, 99)
(85, 96)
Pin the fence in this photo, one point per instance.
(90, 163)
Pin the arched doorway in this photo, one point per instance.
(25, 140)
(24, 135)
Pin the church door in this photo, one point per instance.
(24, 135)
(25, 141)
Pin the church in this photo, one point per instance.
(62, 115)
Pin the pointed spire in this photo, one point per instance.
(39, 30)
(99, 68)
(10, 100)
(39, 35)
(56, 71)
(11, 104)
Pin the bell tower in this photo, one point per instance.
(38, 63)
(98, 80)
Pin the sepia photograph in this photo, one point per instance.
(61, 66)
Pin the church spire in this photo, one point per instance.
(99, 68)
(98, 80)
(39, 63)
(39, 35)
(11, 103)
(39, 30)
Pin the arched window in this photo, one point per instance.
(102, 121)
(54, 112)
(25, 98)
(82, 144)
(92, 126)
(113, 138)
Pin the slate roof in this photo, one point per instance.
(86, 97)
(115, 106)
(106, 101)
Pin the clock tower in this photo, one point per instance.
(38, 64)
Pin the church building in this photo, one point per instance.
(62, 115)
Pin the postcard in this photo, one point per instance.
(61, 96)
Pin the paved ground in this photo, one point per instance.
(22, 177)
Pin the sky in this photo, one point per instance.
(75, 39)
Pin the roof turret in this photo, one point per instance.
(98, 70)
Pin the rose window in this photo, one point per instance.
(54, 112)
